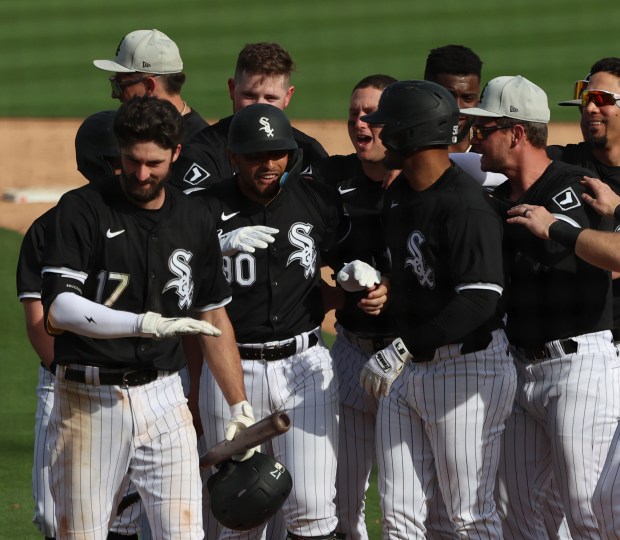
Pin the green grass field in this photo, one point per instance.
(47, 46)
(17, 388)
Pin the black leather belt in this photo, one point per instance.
(136, 377)
(277, 352)
(546, 352)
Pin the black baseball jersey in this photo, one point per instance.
(29, 264)
(442, 241)
(103, 247)
(185, 169)
(552, 293)
(276, 291)
(362, 199)
(208, 149)
(581, 154)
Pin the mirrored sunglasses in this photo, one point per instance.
(599, 98)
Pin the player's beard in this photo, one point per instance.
(598, 142)
(142, 192)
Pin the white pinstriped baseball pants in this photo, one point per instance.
(356, 448)
(440, 428)
(304, 386)
(564, 420)
(128, 523)
(101, 434)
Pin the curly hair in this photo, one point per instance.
(148, 119)
(452, 59)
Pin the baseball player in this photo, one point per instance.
(148, 62)
(558, 323)
(98, 160)
(262, 75)
(361, 179)
(125, 265)
(272, 224)
(444, 417)
(458, 69)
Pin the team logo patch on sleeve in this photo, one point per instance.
(196, 174)
(567, 199)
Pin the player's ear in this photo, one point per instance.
(289, 95)
(175, 153)
(232, 157)
(150, 84)
(231, 88)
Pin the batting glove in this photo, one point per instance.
(242, 417)
(358, 276)
(153, 325)
(247, 239)
(383, 367)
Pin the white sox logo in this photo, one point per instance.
(426, 276)
(264, 121)
(178, 263)
(299, 236)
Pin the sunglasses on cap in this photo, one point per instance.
(119, 86)
(580, 86)
(480, 133)
(599, 98)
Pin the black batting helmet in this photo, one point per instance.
(245, 494)
(260, 127)
(96, 146)
(414, 115)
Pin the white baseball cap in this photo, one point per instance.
(144, 51)
(512, 97)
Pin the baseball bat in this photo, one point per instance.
(262, 431)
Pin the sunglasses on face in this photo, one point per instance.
(599, 98)
(480, 133)
(119, 86)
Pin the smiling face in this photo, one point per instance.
(260, 173)
(146, 166)
(365, 138)
(601, 125)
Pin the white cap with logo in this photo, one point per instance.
(144, 51)
(512, 97)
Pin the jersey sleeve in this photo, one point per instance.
(30, 259)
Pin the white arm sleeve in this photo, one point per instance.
(79, 315)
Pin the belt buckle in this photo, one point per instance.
(263, 349)
(137, 377)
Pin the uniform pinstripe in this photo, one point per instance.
(565, 415)
(29, 286)
(434, 412)
(303, 386)
(152, 434)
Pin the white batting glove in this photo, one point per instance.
(358, 276)
(247, 239)
(383, 367)
(155, 326)
(242, 417)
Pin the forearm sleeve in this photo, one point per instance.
(466, 312)
(79, 315)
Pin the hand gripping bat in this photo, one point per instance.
(262, 431)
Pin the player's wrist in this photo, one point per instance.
(241, 408)
(564, 234)
(617, 213)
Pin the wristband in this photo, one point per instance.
(617, 213)
(564, 234)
